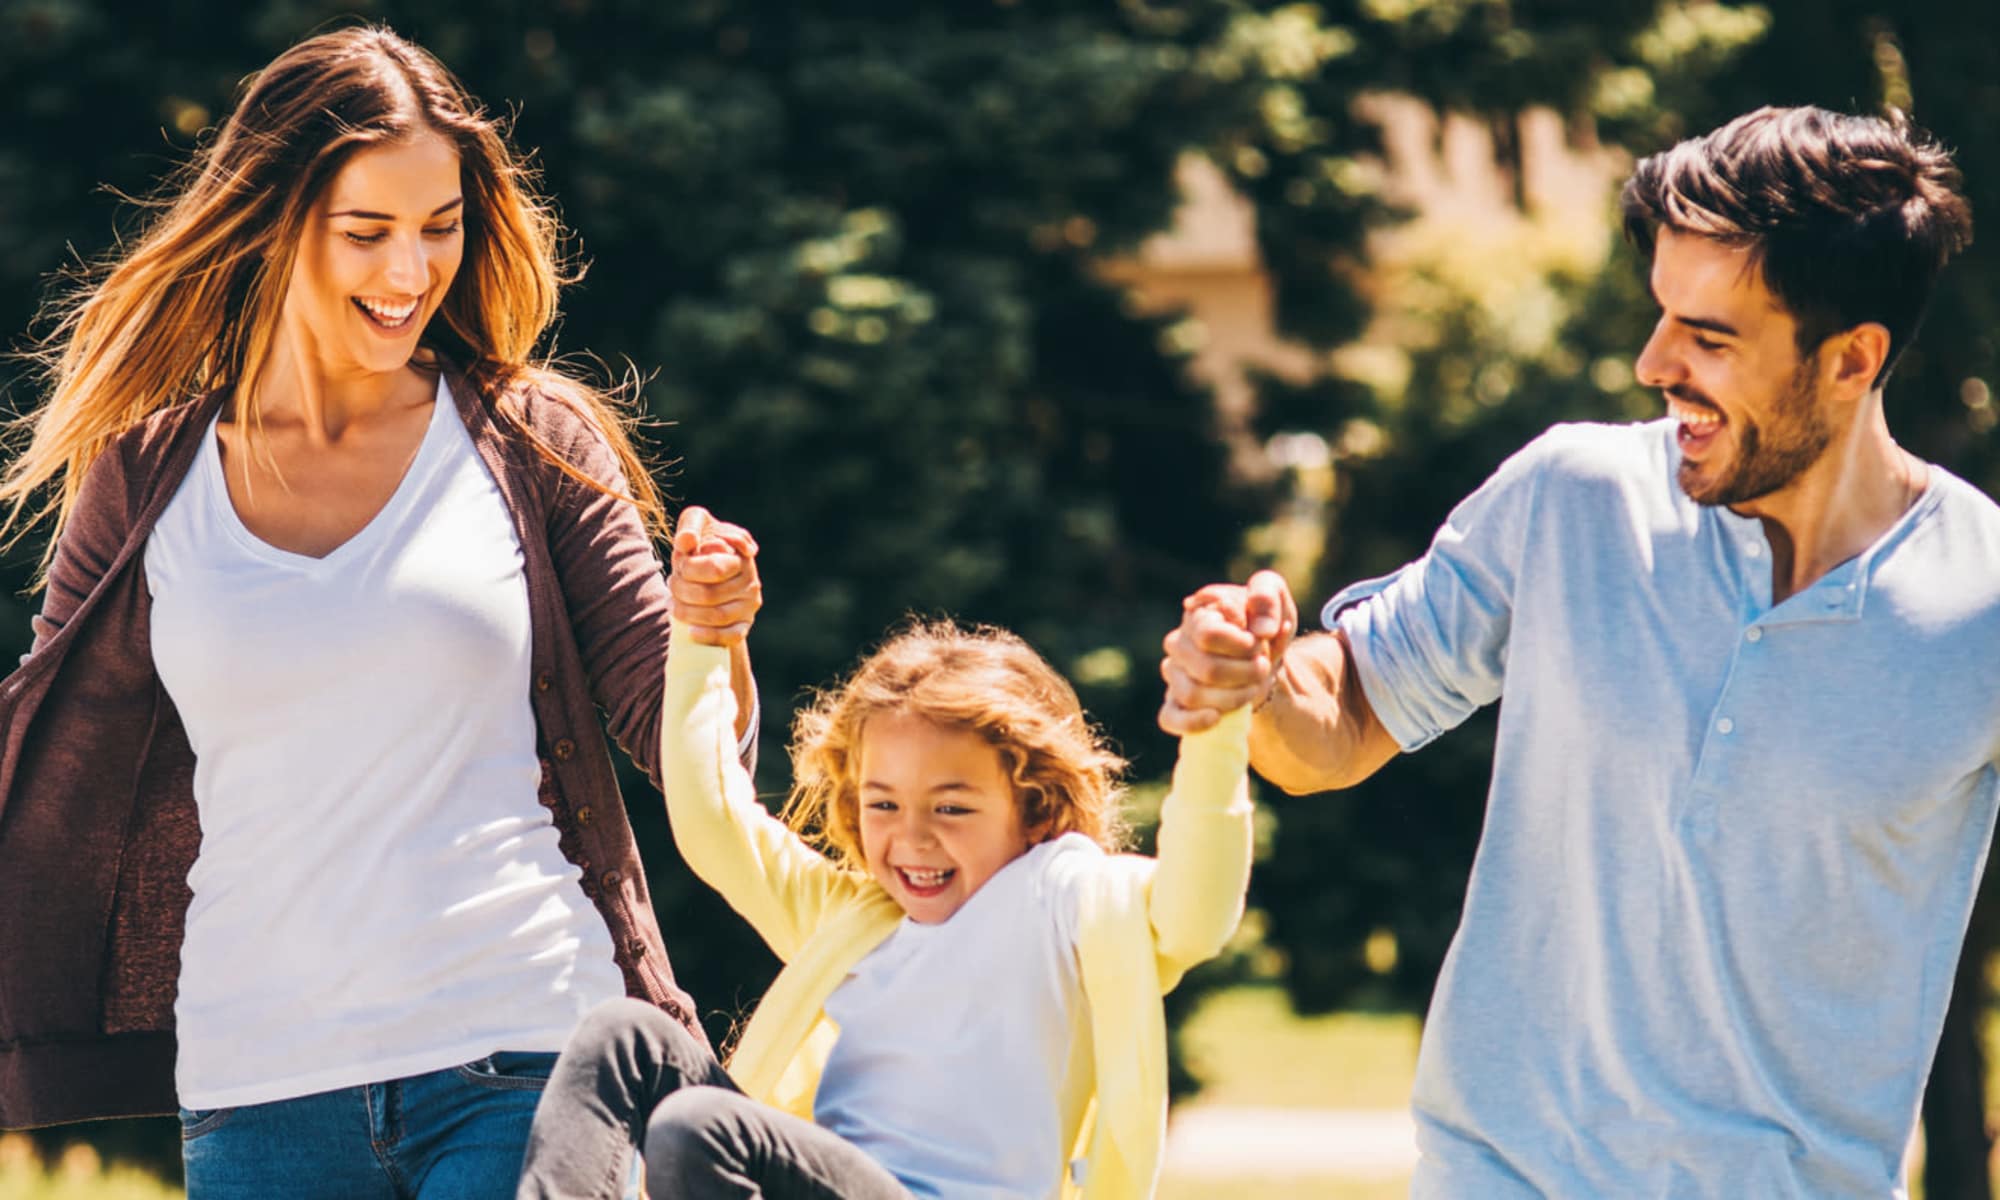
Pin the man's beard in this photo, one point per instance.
(1799, 434)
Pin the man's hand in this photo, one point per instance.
(1226, 650)
(714, 585)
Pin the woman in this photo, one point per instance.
(304, 823)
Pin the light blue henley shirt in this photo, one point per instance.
(1730, 847)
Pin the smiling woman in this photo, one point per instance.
(301, 783)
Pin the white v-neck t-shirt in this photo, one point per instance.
(378, 892)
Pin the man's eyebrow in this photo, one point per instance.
(1711, 324)
(365, 215)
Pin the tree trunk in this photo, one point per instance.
(1957, 1145)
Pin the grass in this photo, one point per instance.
(78, 1175)
(1250, 1049)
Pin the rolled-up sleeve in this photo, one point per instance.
(1430, 641)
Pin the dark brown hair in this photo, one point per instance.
(193, 306)
(1849, 218)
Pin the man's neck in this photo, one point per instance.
(1840, 505)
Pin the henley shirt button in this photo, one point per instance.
(543, 682)
(1752, 549)
(1754, 635)
(1725, 725)
(563, 749)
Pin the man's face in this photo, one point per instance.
(1751, 410)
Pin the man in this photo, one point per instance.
(1746, 770)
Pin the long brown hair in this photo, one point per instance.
(193, 305)
(983, 680)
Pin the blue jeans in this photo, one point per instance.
(455, 1134)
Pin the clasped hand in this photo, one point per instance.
(1225, 652)
(714, 587)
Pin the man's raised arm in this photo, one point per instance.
(1312, 728)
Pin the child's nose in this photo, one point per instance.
(918, 828)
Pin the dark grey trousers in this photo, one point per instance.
(632, 1077)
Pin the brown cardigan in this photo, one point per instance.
(98, 826)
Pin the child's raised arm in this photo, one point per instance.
(768, 874)
(1205, 845)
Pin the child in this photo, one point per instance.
(970, 1004)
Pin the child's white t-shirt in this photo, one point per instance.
(958, 1040)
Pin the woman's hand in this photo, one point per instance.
(713, 582)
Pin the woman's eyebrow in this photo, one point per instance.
(366, 215)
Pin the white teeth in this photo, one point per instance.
(1698, 420)
(389, 314)
(924, 879)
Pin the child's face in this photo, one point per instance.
(938, 814)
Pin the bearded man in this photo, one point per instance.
(1749, 760)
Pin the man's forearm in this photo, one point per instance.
(1316, 731)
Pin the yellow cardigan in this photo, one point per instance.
(1142, 925)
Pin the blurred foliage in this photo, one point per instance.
(851, 247)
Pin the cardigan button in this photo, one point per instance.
(563, 749)
(543, 682)
(611, 878)
(583, 815)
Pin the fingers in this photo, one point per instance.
(688, 531)
(699, 532)
(1212, 661)
(716, 614)
(1191, 693)
(714, 564)
(1181, 721)
(713, 588)
(1269, 610)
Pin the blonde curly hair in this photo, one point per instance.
(981, 679)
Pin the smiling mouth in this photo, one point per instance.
(924, 882)
(1698, 424)
(390, 318)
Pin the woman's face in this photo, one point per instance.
(377, 256)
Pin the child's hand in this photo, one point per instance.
(1225, 652)
(714, 584)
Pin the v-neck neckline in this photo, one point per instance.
(442, 405)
